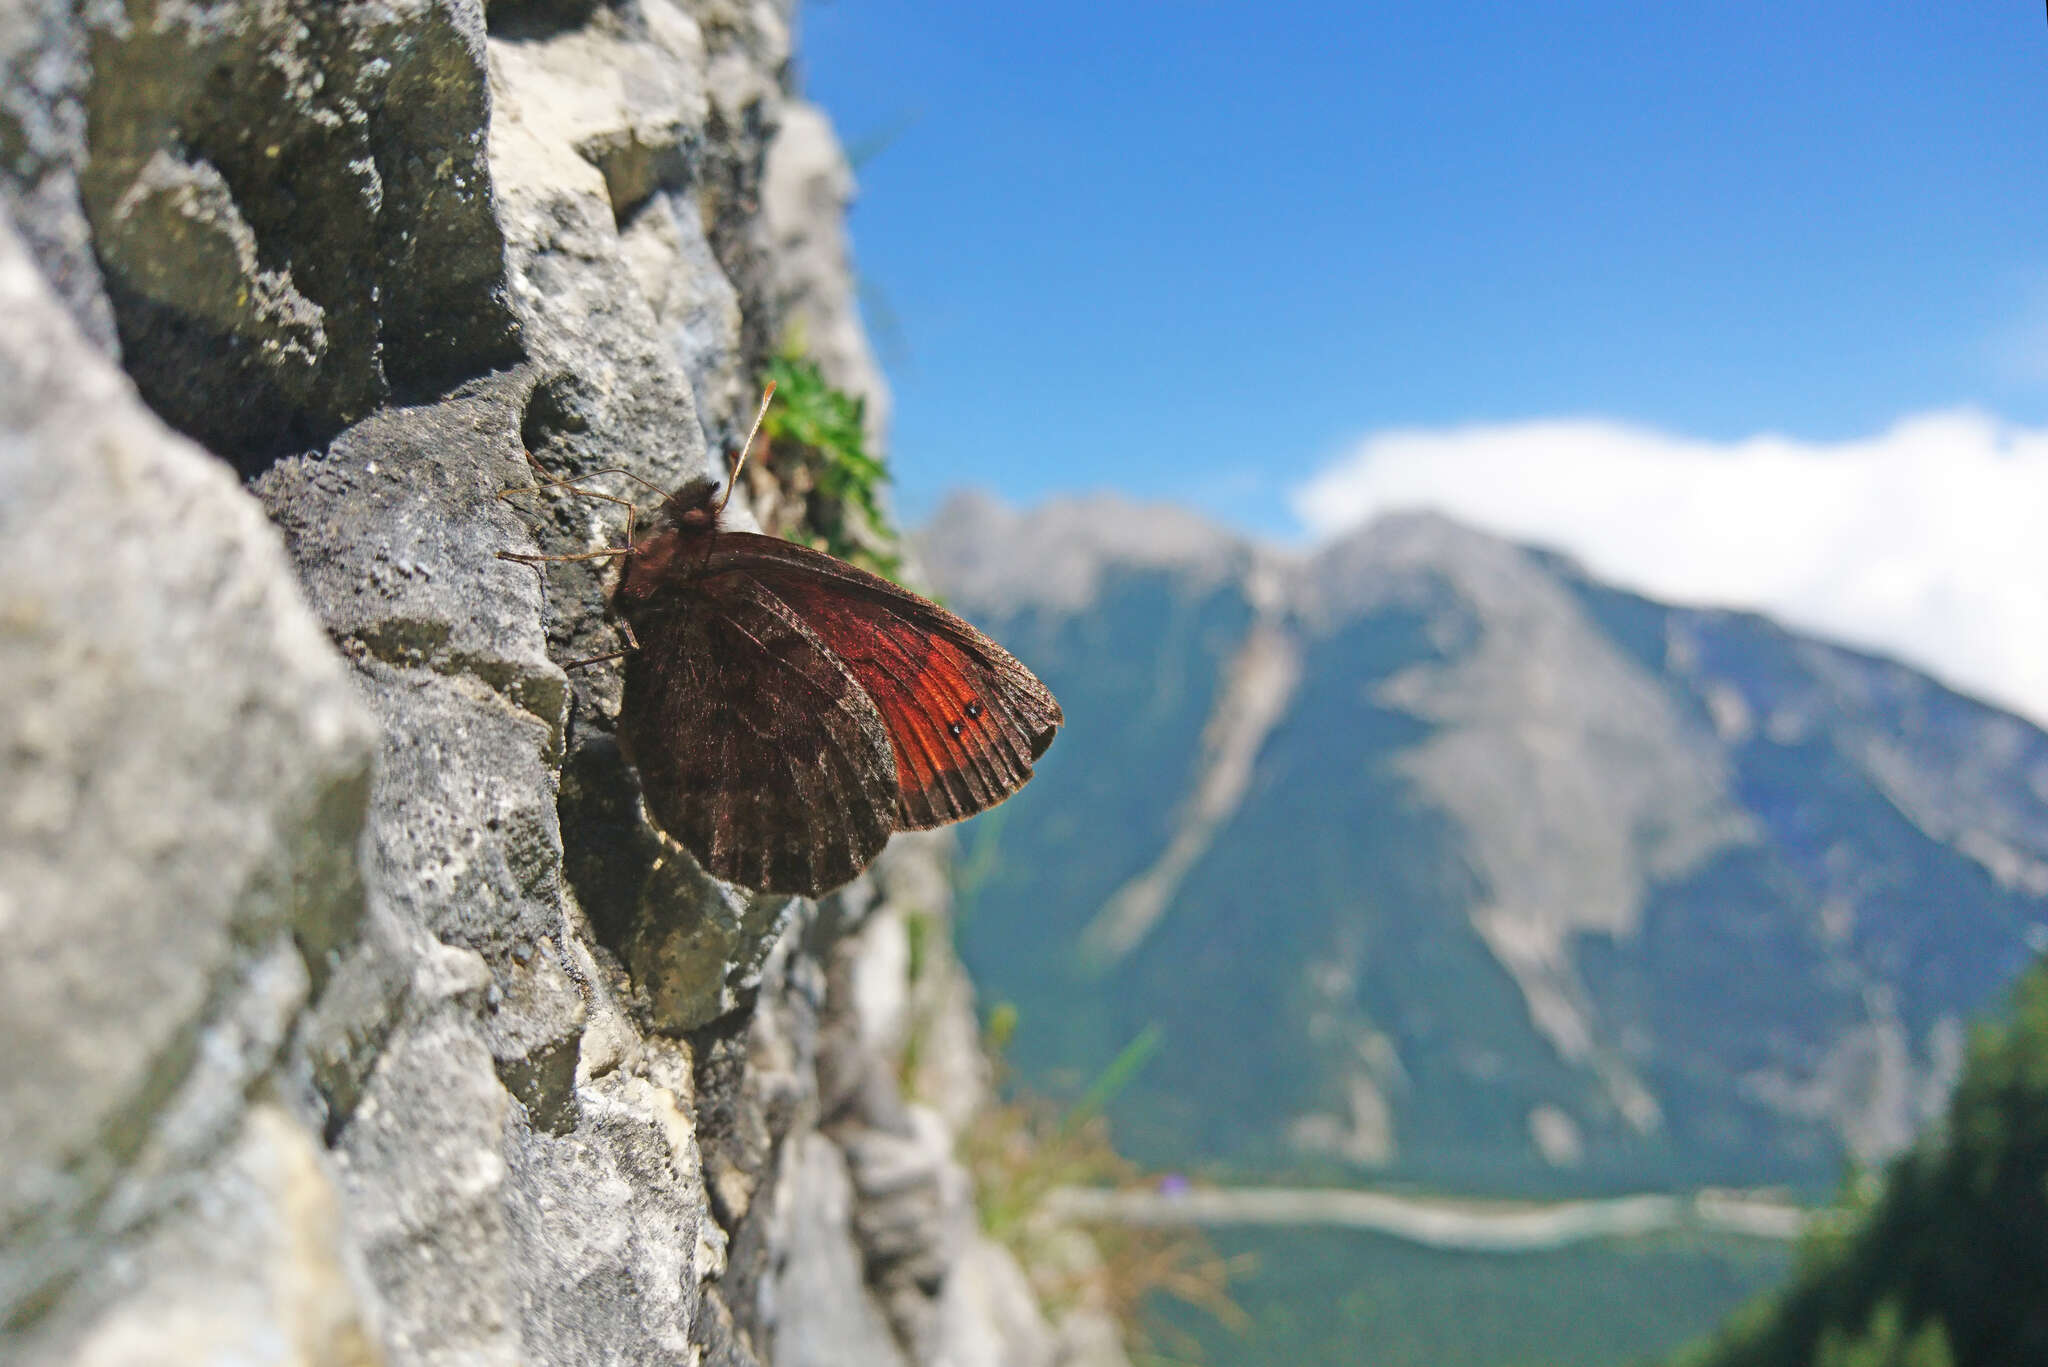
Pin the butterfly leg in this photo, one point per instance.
(549, 480)
(536, 561)
(632, 644)
(625, 627)
(597, 659)
(525, 559)
(553, 482)
(565, 486)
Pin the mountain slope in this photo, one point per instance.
(1435, 858)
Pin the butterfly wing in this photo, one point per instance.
(965, 719)
(756, 746)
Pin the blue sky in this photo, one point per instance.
(1218, 253)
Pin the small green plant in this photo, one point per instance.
(918, 927)
(1026, 1147)
(818, 453)
(918, 930)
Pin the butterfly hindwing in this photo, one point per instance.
(757, 748)
(965, 719)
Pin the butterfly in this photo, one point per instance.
(788, 711)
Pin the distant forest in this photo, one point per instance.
(1944, 1263)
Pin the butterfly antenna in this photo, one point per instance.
(767, 396)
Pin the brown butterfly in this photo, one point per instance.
(787, 711)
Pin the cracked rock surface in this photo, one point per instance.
(352, 1012)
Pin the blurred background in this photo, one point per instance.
(1532, 514)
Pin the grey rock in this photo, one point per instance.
(940, 1032)
(292, 211)
(42, 144)
(1090, 1338)
(395, 529)
(607, 1221)
(424, 1175)
(988, 1316)
(255, 1270)
(823, 1316)
(806, 189)
(180, 737)
(618, 396)
(914, 1210)
(694, 303)
(361, 1016)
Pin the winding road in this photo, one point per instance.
(1443, 1222)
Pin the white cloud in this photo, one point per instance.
(1929, 541)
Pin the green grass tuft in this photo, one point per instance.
(817, 439)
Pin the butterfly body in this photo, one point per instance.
(787, 711)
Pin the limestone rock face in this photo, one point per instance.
(352, 1012)
(186, 768)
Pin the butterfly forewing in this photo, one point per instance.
(965, 719)
(756, 746)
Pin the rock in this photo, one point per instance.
(291, 210)
(915, 1207)
(1090, 1338)
(180, 740)
(260, 1272)
(42, 139)
(425, 1178)
(359, 1015)
(988, 1316)
(806, 190)
(823, 1316)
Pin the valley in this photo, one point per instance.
(1430, 863)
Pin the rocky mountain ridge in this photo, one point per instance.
(1484, 872)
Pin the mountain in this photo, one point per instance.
(1434, 858)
